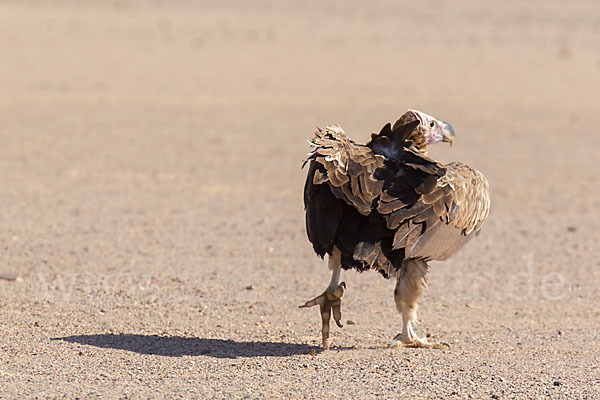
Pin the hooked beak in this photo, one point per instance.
(447, 133)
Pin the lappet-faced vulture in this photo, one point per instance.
(387, 206)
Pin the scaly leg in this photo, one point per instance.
(331, 299)
(411, 281)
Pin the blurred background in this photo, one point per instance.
(267, 54)
(204, 107)
(163, 140)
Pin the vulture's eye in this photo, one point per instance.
(432, 124)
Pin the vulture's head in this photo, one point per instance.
(422, 129)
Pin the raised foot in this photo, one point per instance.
(416, 342)
(330, 300)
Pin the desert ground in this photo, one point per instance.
(152, 240)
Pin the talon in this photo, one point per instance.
(415, 342)
(320, 300)
(337, 312)
(329, 303)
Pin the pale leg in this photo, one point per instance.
(409, 288)
(330, 299)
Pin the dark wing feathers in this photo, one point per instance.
(323, 219)
(380, 206)
(448, 210)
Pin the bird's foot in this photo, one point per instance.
(330, 300)
(416, 342)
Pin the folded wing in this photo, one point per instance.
(445, 205)
(380, 210)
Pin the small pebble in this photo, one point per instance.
(557, 383)
(350, 322)
(250, 287)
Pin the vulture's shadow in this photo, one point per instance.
(177, 346)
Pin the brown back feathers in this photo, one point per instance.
(386, 201)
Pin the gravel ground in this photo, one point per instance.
(152, 239)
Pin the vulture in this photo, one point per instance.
(389, 207)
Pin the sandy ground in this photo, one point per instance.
(152, 239)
